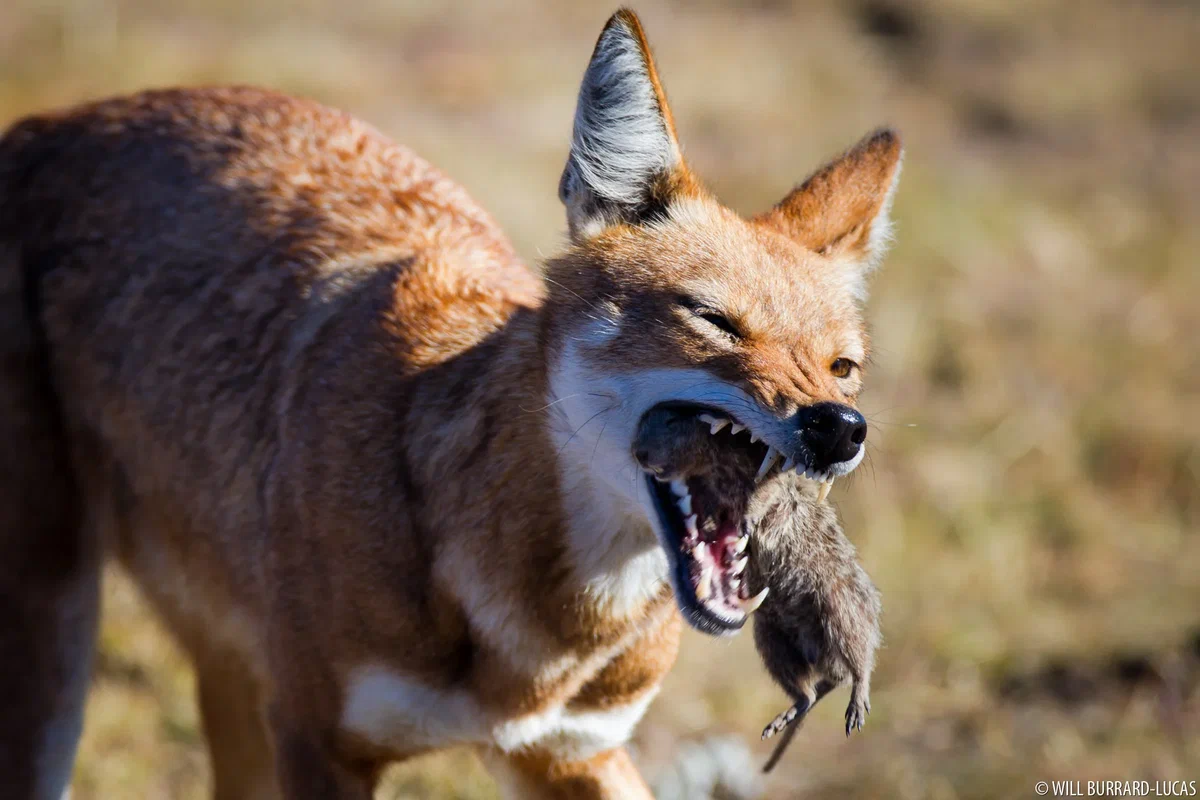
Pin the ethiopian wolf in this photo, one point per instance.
(374, 473)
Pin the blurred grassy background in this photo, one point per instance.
(1031, 510)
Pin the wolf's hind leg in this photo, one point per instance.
(235, 727)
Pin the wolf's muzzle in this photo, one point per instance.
(831, 432)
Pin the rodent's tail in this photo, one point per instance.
(790, 722)
(789, 733)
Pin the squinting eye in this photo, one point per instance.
(842, 367)
(717, 320)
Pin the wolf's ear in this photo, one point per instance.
(625, 161)
(842, 209)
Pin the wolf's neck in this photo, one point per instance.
(612, 549)
(538, 481)
(610, 544)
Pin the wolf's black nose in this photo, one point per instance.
(832, 432)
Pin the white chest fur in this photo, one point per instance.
(397, 712)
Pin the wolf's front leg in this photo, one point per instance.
(308, 767)
(610, 775)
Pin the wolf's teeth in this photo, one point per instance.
(717, 426)
(709, 418)
(704, 587)
(751, 605)
(735, 585)
(739, 566)
(679, 488)
(736, 428)
(823, 492)
(768, 461)
(690, 524)
(739, 546)
(788, 463)
(753, 437)
(685, 504)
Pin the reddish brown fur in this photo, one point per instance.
(187, 430)
(295, 379)
(788, 309)
(827, 211)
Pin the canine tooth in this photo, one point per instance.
(739, 566)
(690, 524)
(709, 418)
(788, 463)
(768, 461)
(751, 605)
(735, 585)
(679, 488)
(753, 437)
(704, 587)
(823, 492)
(718, 426)
(685, 504)
(739, 546)
(736, 428)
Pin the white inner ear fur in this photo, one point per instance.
(879, 238)
(621, 140)
(880, 233)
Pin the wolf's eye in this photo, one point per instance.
(717, 320)
(842, 367)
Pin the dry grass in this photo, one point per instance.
(1031, 510)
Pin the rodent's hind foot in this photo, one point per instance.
(856, 713)
(780, 722)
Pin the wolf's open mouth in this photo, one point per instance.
(703, 465)
(708, 553)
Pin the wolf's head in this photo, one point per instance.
(667, 298)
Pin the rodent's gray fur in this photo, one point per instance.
(819, 626)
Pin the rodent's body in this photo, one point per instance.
(825, 631)
(819, 628)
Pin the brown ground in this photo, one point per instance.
(1031, 511)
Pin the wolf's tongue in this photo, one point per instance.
(727, 531)
(721, 546)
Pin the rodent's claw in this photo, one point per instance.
(855, 716)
